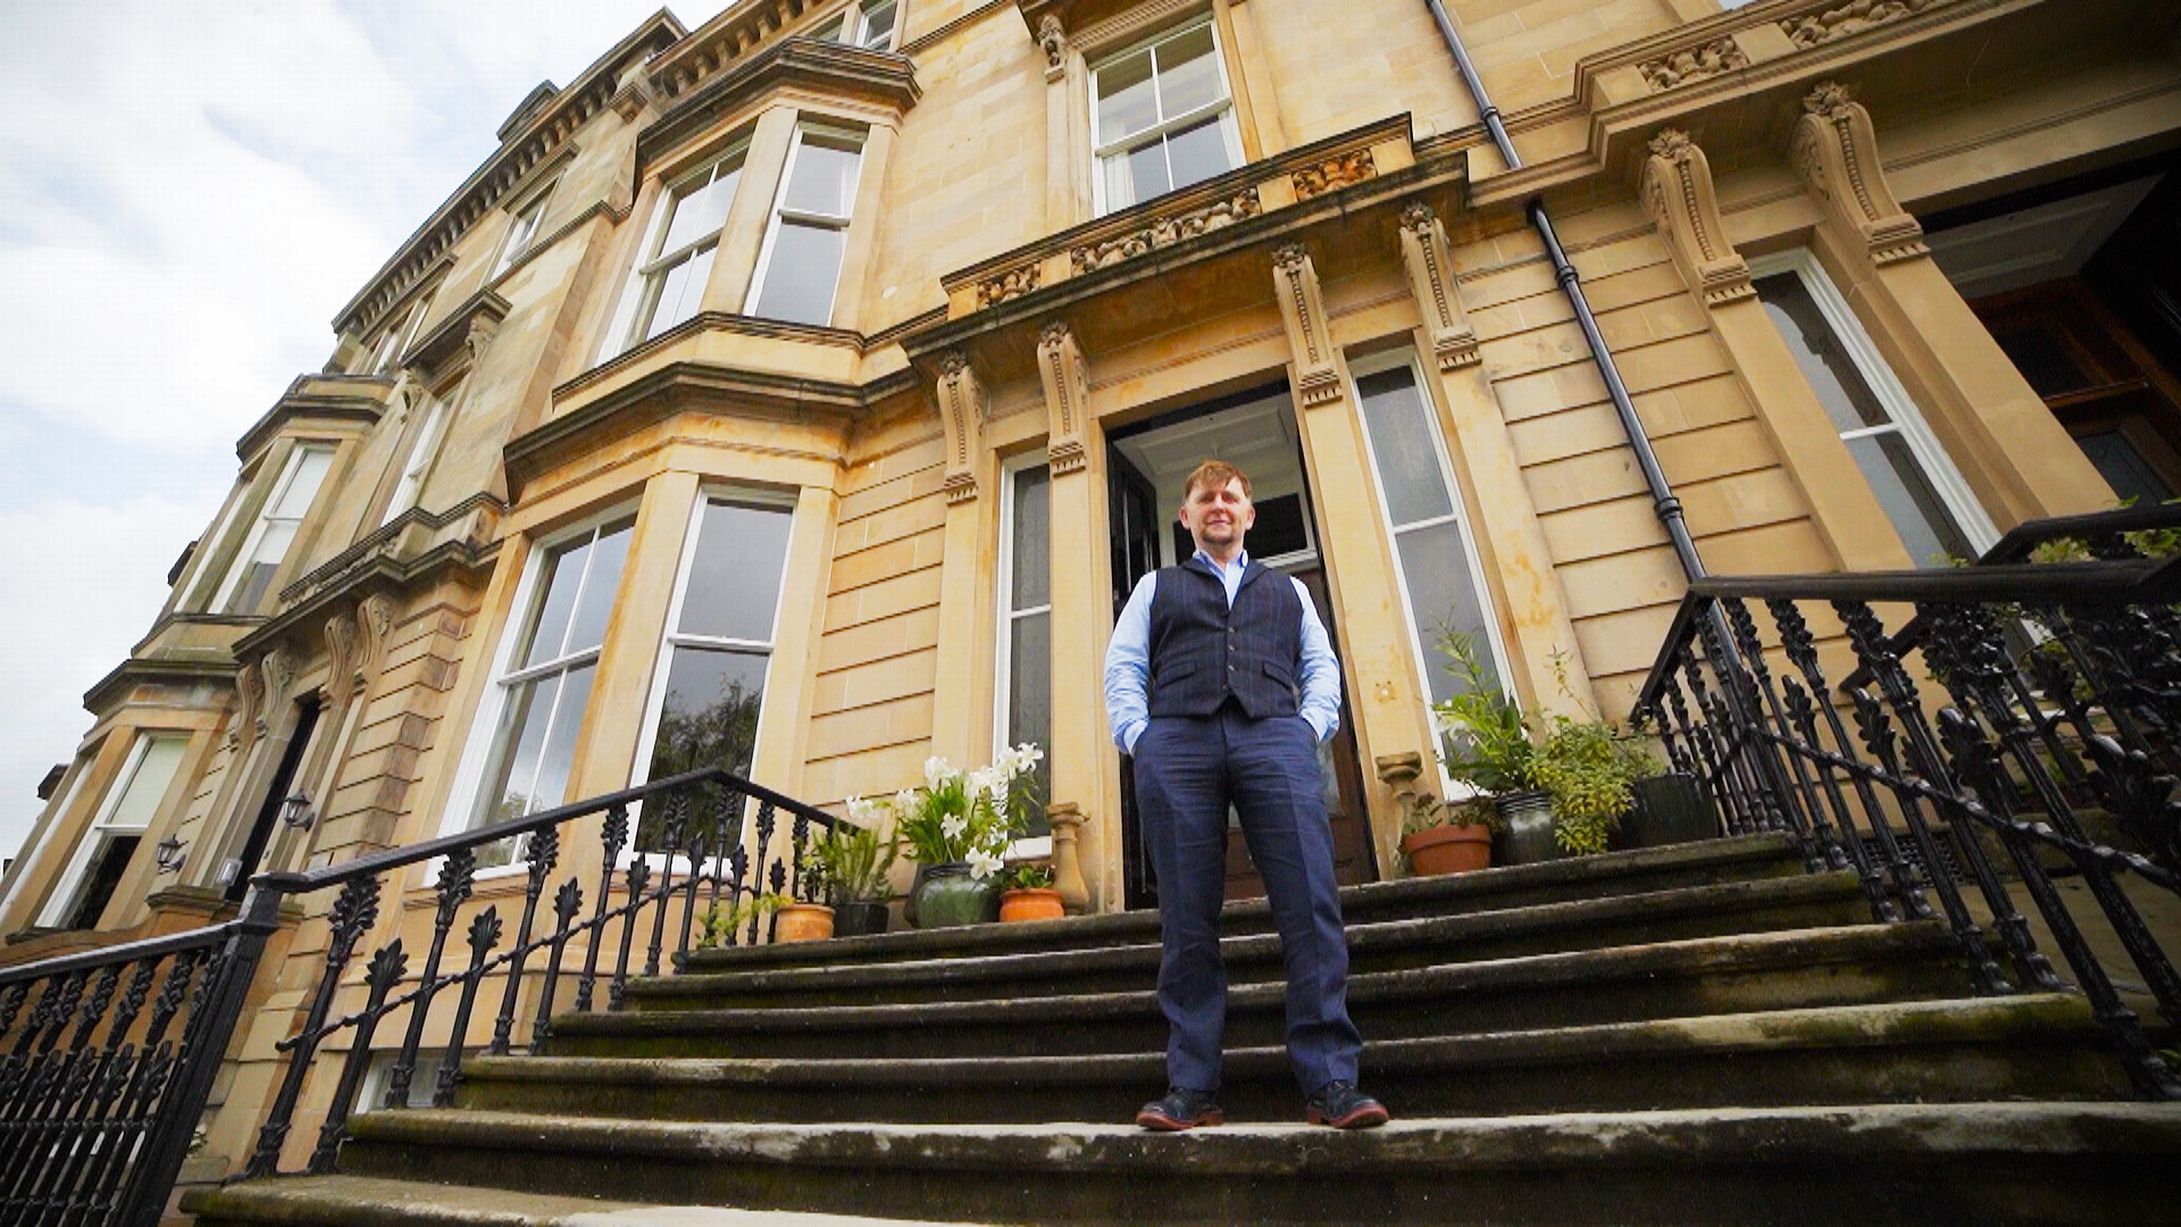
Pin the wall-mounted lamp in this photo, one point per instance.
(296, 811)
(167, 854)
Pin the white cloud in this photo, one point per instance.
(188, 193)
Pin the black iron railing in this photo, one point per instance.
(2020, 723)
(108, 1069)
(98, 1102)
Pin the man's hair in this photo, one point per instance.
(1214, 474)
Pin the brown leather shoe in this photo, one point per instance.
(1342, 1106)
(1180, 1108)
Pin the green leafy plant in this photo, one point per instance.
(854, 863)
(1485, 741)
(1591, 773)
(960, 815)
(1030, 875)
(719, 924)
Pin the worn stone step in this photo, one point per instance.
(1649, 869)
(1803, 901)
(369, 1201)
(2033, 1162)
(1848, 965)
(2042, 1046)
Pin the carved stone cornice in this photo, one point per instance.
(1066, 380)
(1334, 173)
(157, 670)
(1685, 65)
(962, 410)
(356, 400)
(1679, 195)
(1302, 310)
(459, 339)
(1163, 231)
(835, 70)
(1843, 18)
(1431, 281)
(1836, 152)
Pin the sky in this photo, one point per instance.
(189, 191)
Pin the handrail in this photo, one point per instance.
(142, 950)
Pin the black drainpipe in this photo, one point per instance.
(1662, 495)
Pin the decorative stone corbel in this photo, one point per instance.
(1678, 193)
(1431, 280)
(341, 643)
(632, 93)
(1295, 282)
(278, 666)
(374, 621)
(1053, 41)
(962, 407)
(1067, 396)
(249, 702)
(1067, 821)
(1836, 152)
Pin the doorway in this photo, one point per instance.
(1254, 431)
(238, 872)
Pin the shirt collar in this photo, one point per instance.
(1241, 561)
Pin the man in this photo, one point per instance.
(1201, 689)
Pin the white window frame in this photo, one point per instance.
(102, 828)
(423, 453)
(389, 351)
(782, 215)
(468, 791)
(852, 25)
(205, 581)
(639, 297)
(239, 565)
(1230, 124)
(663, 662)
(78, 771)
(521, 234)
(1420, 649)
(1033, 846)
(1907, 420)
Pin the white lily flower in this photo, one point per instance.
(953, 826)
(982, 864)
(905, 801)
(936, 771)
(861, 810)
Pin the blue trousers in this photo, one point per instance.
(1188, 771)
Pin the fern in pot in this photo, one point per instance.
(857, 865)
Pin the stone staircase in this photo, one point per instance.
(1699, 1033)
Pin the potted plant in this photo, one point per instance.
(956, 827)
(1672, 807)
(1439, 837)
(797, 921)
(857, 865)
(1026, 893)
(1485, 743)
(1590, 773)
(721, 924)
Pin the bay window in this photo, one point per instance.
(87, 885)
(1162, 117)
(421, 454)
(800, 265)
(250, 577)
(669, 281)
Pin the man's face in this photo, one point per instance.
(1216, 517)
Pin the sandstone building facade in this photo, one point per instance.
(802, 390)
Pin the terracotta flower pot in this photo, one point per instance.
(1451, 849)
(803, 922)
(1034, 903)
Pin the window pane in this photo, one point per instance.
(310, 470)
(1031, 541)
(806, 261)
(681, 292)
(100, 877)
(1435, 569)
(1125, 101)
(878, 26)
(257, 580)
(520, 741)
(1188, 72)
(1139, 174)
(1832, 374)
(708, 716)
(1403, 446)
(825, 175)
(830, 32)
(563, 573)
(699, 207)
(2124, 468)
(734, 580)
(1030, 698)
(1918, 515)
(587, 628)
(139, 801)
(1199, 152)
(559, 754)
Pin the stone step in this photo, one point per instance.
(1800, 968)
(1991, 1163)
(1643, 870)
(2044, 1046)
(369, 1201)
(1676, 913)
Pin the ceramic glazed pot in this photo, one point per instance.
(803, 922)
(946, 895)
(859, 918)
(1031, 903)
(1449, 850)
(1670, 809)
(1527, 839)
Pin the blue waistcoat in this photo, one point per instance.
(1202, 652)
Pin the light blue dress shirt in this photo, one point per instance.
(1128, 659)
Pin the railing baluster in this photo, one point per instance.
(612, 835)
(639, 874)
(544, 852)
(1821, 847)
(384, 971)
(354, 912)
(677, 822)
(137, 1099)
(57, 1181)
(567, 901)
(484, 935)
(457, 876)
(699, 844)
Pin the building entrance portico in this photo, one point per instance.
(1146, 466)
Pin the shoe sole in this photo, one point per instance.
(1361, 1118)
(1160, 1122)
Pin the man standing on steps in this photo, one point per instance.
(1221, 682)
